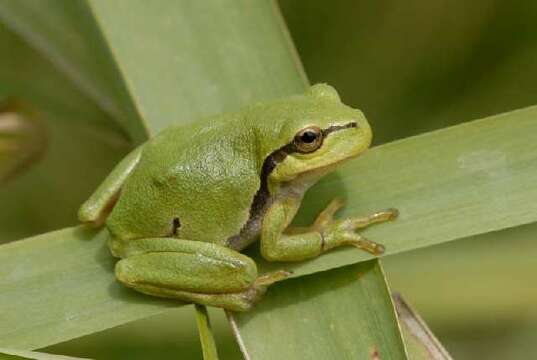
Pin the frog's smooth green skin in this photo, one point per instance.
(182, 206)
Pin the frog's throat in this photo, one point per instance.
(262, 198)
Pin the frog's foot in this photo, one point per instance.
(343, 232)
(236, 301)
(193, 271)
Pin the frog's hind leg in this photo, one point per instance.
(193, 271)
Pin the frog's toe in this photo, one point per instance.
(391, 214)
(336, 204)
(369, 246)
(382, 216)
(326, 216)
(375, 218)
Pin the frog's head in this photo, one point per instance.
(319, 132)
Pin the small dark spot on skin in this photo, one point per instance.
(175, 226)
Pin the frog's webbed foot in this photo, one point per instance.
(343, 232)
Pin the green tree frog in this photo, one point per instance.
(181, 207)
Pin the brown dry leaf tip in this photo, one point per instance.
(22, 139)
(374, 354)
(418, 329)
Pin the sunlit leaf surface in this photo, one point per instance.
(345, 313)
(422, 223)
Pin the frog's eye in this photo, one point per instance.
(309, 139)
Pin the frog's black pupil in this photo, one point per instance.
(308, 137)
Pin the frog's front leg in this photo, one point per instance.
(193, 271)
(324, 234)
(96, 208)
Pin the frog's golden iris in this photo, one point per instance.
(308, 139)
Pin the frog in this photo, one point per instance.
(181, 207)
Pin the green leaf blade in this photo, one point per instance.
(458, 182)
(344, 313)
(67, 265)
(75, 256)
(10, 354)
(165, 91)
(61, 285)
(208, 344)
(198, 58)
(81, 146)
(65, 33)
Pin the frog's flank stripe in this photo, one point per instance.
(260, 200)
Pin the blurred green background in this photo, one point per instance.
(412, 67)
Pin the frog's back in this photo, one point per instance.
(194, 182)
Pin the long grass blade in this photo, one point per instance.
(471, 279)
(65, 33)
(208, 345)
(449, 184)
(461, 181)
(82, 145)
(80, 278)
(186, 59)
(10, 354)
(343, 313)
(61, 285)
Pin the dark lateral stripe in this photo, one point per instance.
(334, 128)
(260, 199)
